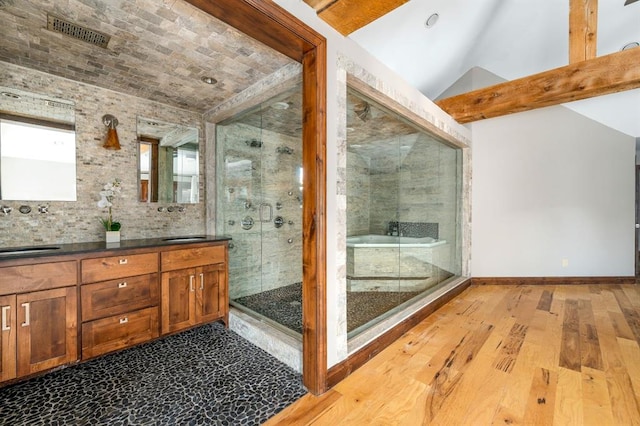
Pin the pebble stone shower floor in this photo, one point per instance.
(284, 305)
(204, 376)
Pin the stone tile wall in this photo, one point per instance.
(78, 221)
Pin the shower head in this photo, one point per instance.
(284, 150)
(253, 143)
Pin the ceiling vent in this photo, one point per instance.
(77, 31)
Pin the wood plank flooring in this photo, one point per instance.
(509, 355)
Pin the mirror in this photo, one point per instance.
(168, 166)
(37, 147)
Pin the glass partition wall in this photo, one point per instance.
(259, 204)
(403, 213)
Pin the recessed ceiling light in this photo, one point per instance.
(280, 105)
(209, 80)
(630, 45)
(431, 20)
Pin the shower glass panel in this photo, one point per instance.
(259, 205)
(403, 203)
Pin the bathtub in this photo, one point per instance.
(392, 263)
(392, 241)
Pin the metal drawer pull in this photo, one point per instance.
(201, 281)
(27, 314)
(124, 320)
(122, 284)
(191, 278)
(5, 310)
(123, 261)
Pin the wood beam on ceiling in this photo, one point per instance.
(583, 23)
(612, 73)
(347, 16)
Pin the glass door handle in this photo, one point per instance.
(263, 207)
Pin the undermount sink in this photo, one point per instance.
(26, 250)
(192, 238)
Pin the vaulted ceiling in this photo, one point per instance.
(513, 39)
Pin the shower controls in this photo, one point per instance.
(231, 222)
(278, 221)
(290, 240)
(266, 212)
(278, 205)
(247, 223)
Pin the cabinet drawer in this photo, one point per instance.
(42, 276)
(119, 332)
(110, 268)
(114, 297)
(192, 257)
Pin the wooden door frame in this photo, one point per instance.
(268, 23)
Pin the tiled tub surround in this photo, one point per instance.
(403, 266)
(77, 221)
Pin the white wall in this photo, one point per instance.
(549, 185)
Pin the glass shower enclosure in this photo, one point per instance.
(259, 169)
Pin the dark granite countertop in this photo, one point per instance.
(97, 246)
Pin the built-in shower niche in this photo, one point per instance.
(403, 210)
(259, 163)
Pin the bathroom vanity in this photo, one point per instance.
(72, 302)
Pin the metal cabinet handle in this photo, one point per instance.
(5, 311)
(123, 261)
(124, 320)
(201, 281)
(27, 314)
(191, 278)
(122, 284)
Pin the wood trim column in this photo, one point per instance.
(583, 23)
(275, 27)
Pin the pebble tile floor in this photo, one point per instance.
(204, 376)
(284, 305)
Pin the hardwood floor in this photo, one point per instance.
(529, 355)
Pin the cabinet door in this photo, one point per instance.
(8, 336)
(47, 329)
(209, 296)
(178, 300)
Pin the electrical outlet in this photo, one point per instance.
(565, 263)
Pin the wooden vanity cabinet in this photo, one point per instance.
(194, 287)
(38, 317)
(119, 306)
(8, 336)
(121, 302)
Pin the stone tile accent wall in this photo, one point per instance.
(78, 221)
